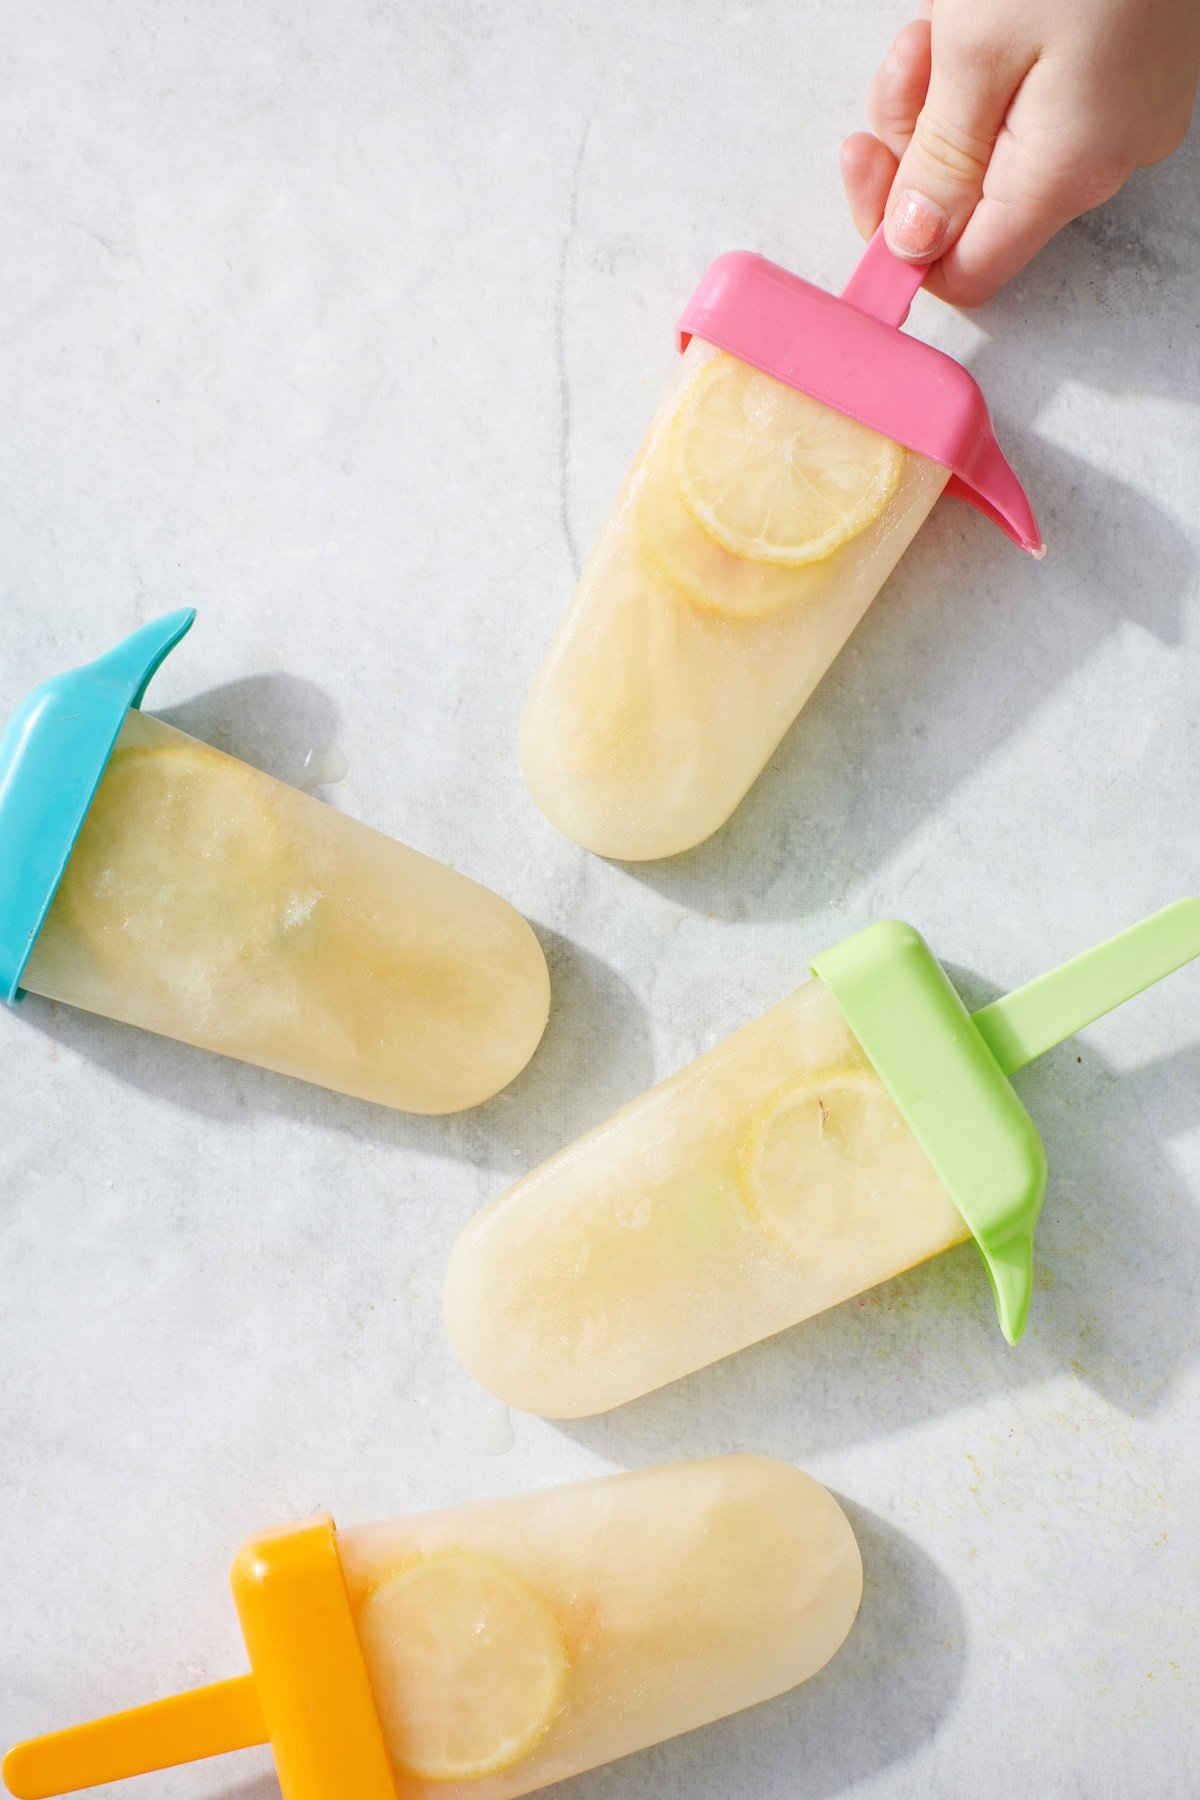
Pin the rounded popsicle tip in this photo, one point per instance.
(507, 1361)
(814, 1557)
(630, 790)
(512, 964)
(504, 1333)
(608, 817)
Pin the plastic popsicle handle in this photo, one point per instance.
(882, 285)
(309, 1694)
(1032, 1019)
(52, 757)
(139, 656)
(948, 1071)
(209, 1721)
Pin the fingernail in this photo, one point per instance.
(917, 226)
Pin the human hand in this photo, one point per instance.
(995, 122)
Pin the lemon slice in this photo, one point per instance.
(696, 565)
(467, 1662)
(825, 1158)
(182, 858)
(774, 475)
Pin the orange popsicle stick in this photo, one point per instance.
(206, 1722)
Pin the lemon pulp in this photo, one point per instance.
(468, 1665)
(181, 854)
(773, 475)
(826, 1157)
(711, 577)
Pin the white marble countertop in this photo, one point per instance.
(342, 323)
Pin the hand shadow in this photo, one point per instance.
(595, 1054)
(1113, 1297)
(970, 637)
(885, 1693)
(1110, 302)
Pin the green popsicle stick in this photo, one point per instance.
(948, 1072)
(1033, 1018)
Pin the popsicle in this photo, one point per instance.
(488, 1650)
(150, 877)
(803, 442)
(861, 1126)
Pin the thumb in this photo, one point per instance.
(940, 178)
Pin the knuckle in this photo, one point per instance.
(978, 57)
(1094, 190)
(949, 150)
(1101, 178)
(884, 115)
(1171, 136)
(910, 51)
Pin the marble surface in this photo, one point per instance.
(342, 323)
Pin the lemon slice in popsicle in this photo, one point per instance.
(772, 474)
(712, 578)
(824, 1156)
(467, 1662)
(182, 856)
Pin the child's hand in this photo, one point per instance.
(997, 121)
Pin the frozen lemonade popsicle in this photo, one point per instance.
(861, 1126)
(197, 897)
(489, 1650)
(802, 444)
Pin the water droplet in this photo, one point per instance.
(324, 765)
(495, 1434)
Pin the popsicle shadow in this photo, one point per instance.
(886, 1692)
(596, 1053)
(970, 638)
(1113, 1302)
(914, 704)
(266, 1788)
(272, 720)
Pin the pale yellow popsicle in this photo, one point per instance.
(768, 1180)
(209, 902)
(754, 530)
(513, 1643)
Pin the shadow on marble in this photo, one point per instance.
(265, 1788)
(968, 640)
(886, 1692)
(272, 720)
(1084, 309)
(1117, 1264)
(595, 1055)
